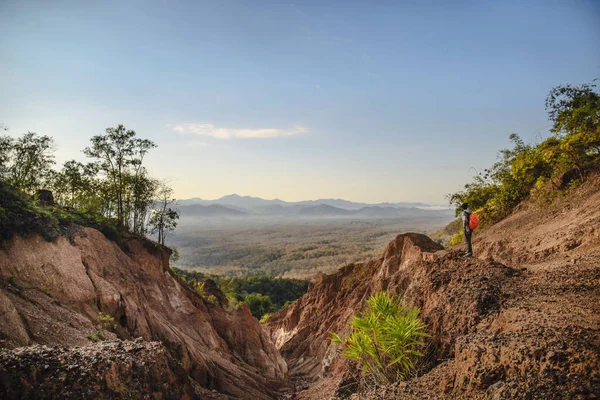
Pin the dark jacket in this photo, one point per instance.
(466, 215)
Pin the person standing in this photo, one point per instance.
(466, 216)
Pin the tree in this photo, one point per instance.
(6, 145)
(575, 113)
(259, 304)
(74, 186)
(163, 219)
(26, 162)
(140, 198)
(573, 109)
(120, 156)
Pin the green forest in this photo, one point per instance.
(112, 192)
(264, 295)
(544, 170)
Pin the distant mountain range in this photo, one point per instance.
(248, 203)
(240, 206)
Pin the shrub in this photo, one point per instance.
(457, 238)
(265, 317)
(212, 299)
(48, 284)
(385, 339)
(96, 336)
(19, 215)
(107, 321)
(199, 288)
(259, 304)
(233, 300)
(107, 226)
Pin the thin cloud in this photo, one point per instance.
(228, 133)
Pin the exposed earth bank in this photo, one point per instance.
(53, 293)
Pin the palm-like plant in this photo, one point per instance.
(385, 339)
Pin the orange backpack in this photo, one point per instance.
(473, 221)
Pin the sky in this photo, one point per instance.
(364, 100)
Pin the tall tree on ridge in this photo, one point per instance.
(164, 218)
(26, 162)
(119, 153)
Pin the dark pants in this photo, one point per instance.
(468, 234)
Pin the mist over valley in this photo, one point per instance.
(242, 235)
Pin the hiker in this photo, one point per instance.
(466, 216)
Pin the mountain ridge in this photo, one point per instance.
(301, 210)
(249, 202)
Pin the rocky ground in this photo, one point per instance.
(105, 370)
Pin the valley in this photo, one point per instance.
(316, 200)
(290, 247)
(244, 236)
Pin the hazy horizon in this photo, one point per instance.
(299, 201)
(365, 101)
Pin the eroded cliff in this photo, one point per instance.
(52, 293)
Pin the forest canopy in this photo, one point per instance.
(264, 295)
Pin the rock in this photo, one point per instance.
(45, 197)
(117, 378)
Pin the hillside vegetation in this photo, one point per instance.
(544, 170)
(112, 192)
(264, 295)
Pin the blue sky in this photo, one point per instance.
(364, 100)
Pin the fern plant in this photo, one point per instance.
(385, 339)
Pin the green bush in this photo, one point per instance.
(107, 226)
(19, 215)
(265, 317)
(96, 336)
(107, 321)
(276, 292)
(259, 305)
(457, 238)
(385, 339)
(199, 288)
